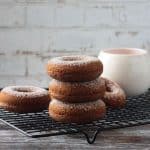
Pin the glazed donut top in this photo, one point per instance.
(83, 106)
(73, 60)
(25, 91)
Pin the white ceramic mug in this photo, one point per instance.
(129, 67)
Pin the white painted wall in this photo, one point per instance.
(32, 31)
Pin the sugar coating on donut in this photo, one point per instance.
(90, 84)
(79, 106)
(113, 87)
(73, 60)
(25, 91)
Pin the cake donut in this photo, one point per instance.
(114, 96)
(77, 112)
(77, 91)
(24, 99)
(74, 68)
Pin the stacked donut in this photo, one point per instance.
(77, 92)
(76, 89)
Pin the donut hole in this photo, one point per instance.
(108, 89)
(71, 58)
(23, 90)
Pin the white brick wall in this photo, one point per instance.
(69, 16)
(12, 65)
(36, 16)
(32, 31)
(7, 14)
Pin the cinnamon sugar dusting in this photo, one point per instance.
(90, 84)
(86, 105)
(28, 91)
(73, 60)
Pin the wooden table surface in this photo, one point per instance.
(134, 138)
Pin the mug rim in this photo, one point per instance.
(142, 51)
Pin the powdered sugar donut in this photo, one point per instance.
(77, 112)
(114, 96)
(77, 91)
(23, 99)
(74, 68)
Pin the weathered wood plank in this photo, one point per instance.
(65, 146)
(136, 138)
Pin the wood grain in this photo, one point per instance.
(134, 138)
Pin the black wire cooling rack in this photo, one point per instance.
(136, 112)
